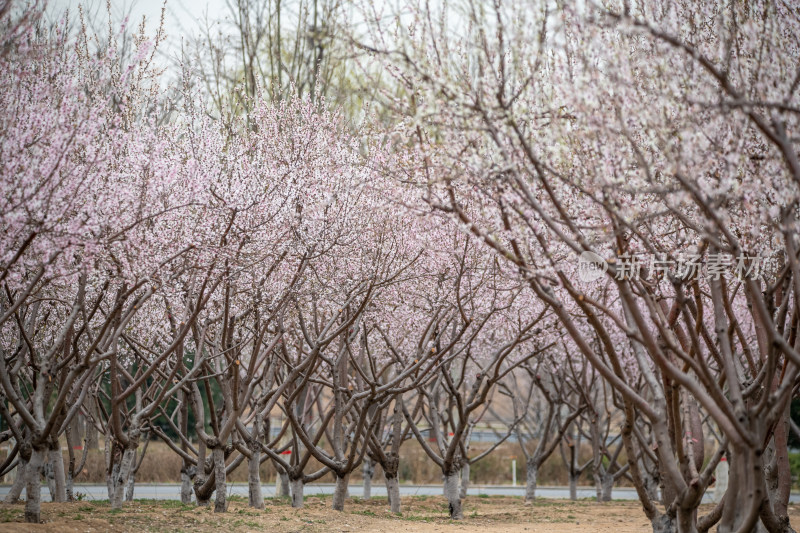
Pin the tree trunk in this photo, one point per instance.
(203, 497)
(340, 492)
(531, 479)
(607, 487)
(50, 477)
(746, 492)
(73, 435)
(393, 491)
(297, 492)
(19, 483)
(110, 477)
(650, 480)
(203, 484)
(33, 487)
(186, 485)
(112, 466)
(573, 486)
(59, 476)
(256, 498)
(390, 468)
(130, 484)
(368, 470)
(131, 487)
(92, 440)
(282, 482)
(70, 487)
(464, 480)
(770, 521)
(663, 524)
(451, 489)
(597, 475)
(668, 491)
(221, 488)
(777, 473)
(603, 483)
(91, 436)
(121, 479)
(687, 520)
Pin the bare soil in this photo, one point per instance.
(420, 515)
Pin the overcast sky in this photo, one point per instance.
(183, 17)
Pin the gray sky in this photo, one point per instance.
(183, 17)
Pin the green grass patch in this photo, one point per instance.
(544, 503)
(8, 515)
(411, 517)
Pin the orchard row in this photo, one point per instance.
(182, 265)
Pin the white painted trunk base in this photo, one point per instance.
(453, 495)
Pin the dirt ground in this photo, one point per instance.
(420, 515)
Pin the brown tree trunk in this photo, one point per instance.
(255, 497)
(746, 486)
(687, 520)
(778, 473)
(91, 436)
(221, 487)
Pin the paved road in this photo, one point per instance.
(172, 492)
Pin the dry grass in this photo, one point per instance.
(420, 514)
(161, 465)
